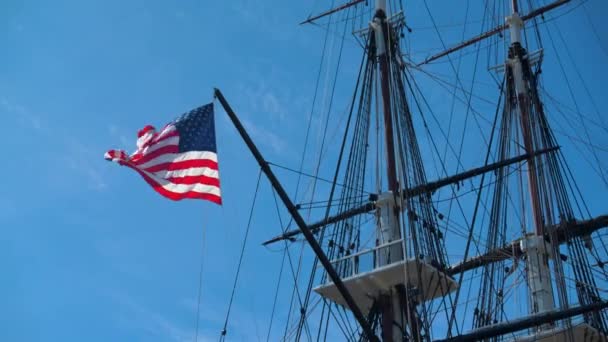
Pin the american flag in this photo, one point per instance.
(180, 161)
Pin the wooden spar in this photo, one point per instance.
(525, 323)
(418, 190)
(494, 31)
(331, 272)
(334, 10)
(563, 232)
(366, 208)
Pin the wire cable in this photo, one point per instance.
(238, 269)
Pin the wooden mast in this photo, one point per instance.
(518, 51)
(540, 289)
(383, 62)
(391, 301)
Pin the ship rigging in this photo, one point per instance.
(382, 248)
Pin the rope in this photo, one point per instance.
(316, 178)
(200, 285)
(576, 106)
(310, 116)
(594, 30)
(333, 187)
(296, 290)
(238, 270)
(276, 294)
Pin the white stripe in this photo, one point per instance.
(144, 138)
(193, 171)
(166, 142)
(178, 157)
(151, 148)
(183, 188)
(115, 156)
(168, 129)
(200, 188)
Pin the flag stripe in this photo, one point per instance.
(150, 156)
(165, 132)
(183, 188)
(165, 136)
(195, 180)
(193, 171)
(178, 196)
(172, 158)
(182, 165)
(171, 140)
(175, 192)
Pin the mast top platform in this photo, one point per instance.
(425, 280)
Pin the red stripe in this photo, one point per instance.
(117, 155)
(175, 133)
(195, 180)
(144, 130)
(177, 196)
(157, 153)
(181, 165)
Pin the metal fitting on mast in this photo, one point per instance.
(381, 6)
(379, 35)
(516, 24)
(388, 229)
(538, 253)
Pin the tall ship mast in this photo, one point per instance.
(384, 267)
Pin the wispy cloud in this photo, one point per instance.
(272, 105)
(265, 136)
(260, 15)
(143, 318)
(77, 156)
(270, 127)
(164, 327)
(22, 115)
(116, 132)
(263, 99)
(81, 158)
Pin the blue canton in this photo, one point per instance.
(197, 130)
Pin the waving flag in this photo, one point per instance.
(180, 161)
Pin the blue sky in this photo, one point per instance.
(88, 251)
